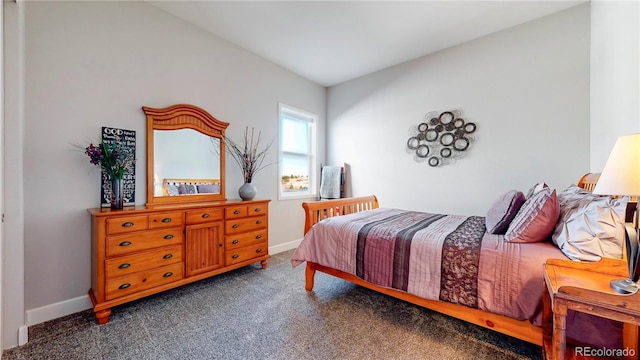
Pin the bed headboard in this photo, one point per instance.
(173, 187)
(588, 181)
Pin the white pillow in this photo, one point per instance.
(590, 226)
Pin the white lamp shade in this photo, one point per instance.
(621, 173)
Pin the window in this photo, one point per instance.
(297, 153)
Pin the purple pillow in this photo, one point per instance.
(536, 219)
(503, 210)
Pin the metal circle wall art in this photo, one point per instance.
(441, 138)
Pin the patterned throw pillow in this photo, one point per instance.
(172, 190)
(535, 189)
(503, 210)
(536, 219)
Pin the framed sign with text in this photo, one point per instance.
(127, 138)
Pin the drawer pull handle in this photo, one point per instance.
(168, 237)
(166, 220)
(235, 226)
(220, 245)
(258, 250)
(259, 222)
(167, 274)
(124, 266)
(236, 212)
(168, 256)
(235, 256)
(257, 209)
(206, 215)
(235, 241)
(258, 236)
(124, 286)
(125, 243)
(127, 224)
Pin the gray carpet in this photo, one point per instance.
(251, 313)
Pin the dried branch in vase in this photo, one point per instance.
(248, 154)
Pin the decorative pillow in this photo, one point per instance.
(172, 190)
(536, 219)
(208, 189)
(535, 189)
(503, 210)
(186, 189)
(590, 226)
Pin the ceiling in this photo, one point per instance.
(330, 42)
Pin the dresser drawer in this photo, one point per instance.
(246, 253)
(245, 239)
(130, 243)
(144, 280)
(124, 265)
(243, 225)
(204, 215)
(234, 212)
(126, 224)
(165, 220)
(258, 209)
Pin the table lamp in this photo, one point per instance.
(621, 176)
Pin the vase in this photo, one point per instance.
(117, 194)
(247, 191)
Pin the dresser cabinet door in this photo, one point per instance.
(205, 248)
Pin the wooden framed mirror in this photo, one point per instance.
(185, 155)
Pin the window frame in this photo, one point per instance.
(311, 120)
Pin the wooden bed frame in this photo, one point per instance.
(319, 210)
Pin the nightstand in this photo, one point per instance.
(584, 287)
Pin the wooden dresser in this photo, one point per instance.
(140, 251)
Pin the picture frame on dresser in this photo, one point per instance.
(174, 240)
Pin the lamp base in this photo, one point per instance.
(624, 286)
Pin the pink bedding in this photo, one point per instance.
(437, 257)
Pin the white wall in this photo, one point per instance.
(527, 89)
(615, 75)
(13, 310)
(93, 64)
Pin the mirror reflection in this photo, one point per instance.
(186, 162)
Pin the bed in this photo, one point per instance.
(175, 187)
(472, 275)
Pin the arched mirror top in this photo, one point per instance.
(185, 155)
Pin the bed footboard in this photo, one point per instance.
(316, 211)
(520, 329)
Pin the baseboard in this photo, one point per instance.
(23, 335)
(81, 303)
(284, 247)
(59, 309)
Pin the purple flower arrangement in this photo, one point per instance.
(114, 158)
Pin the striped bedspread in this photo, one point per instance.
(384, 247)
(448, 258)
